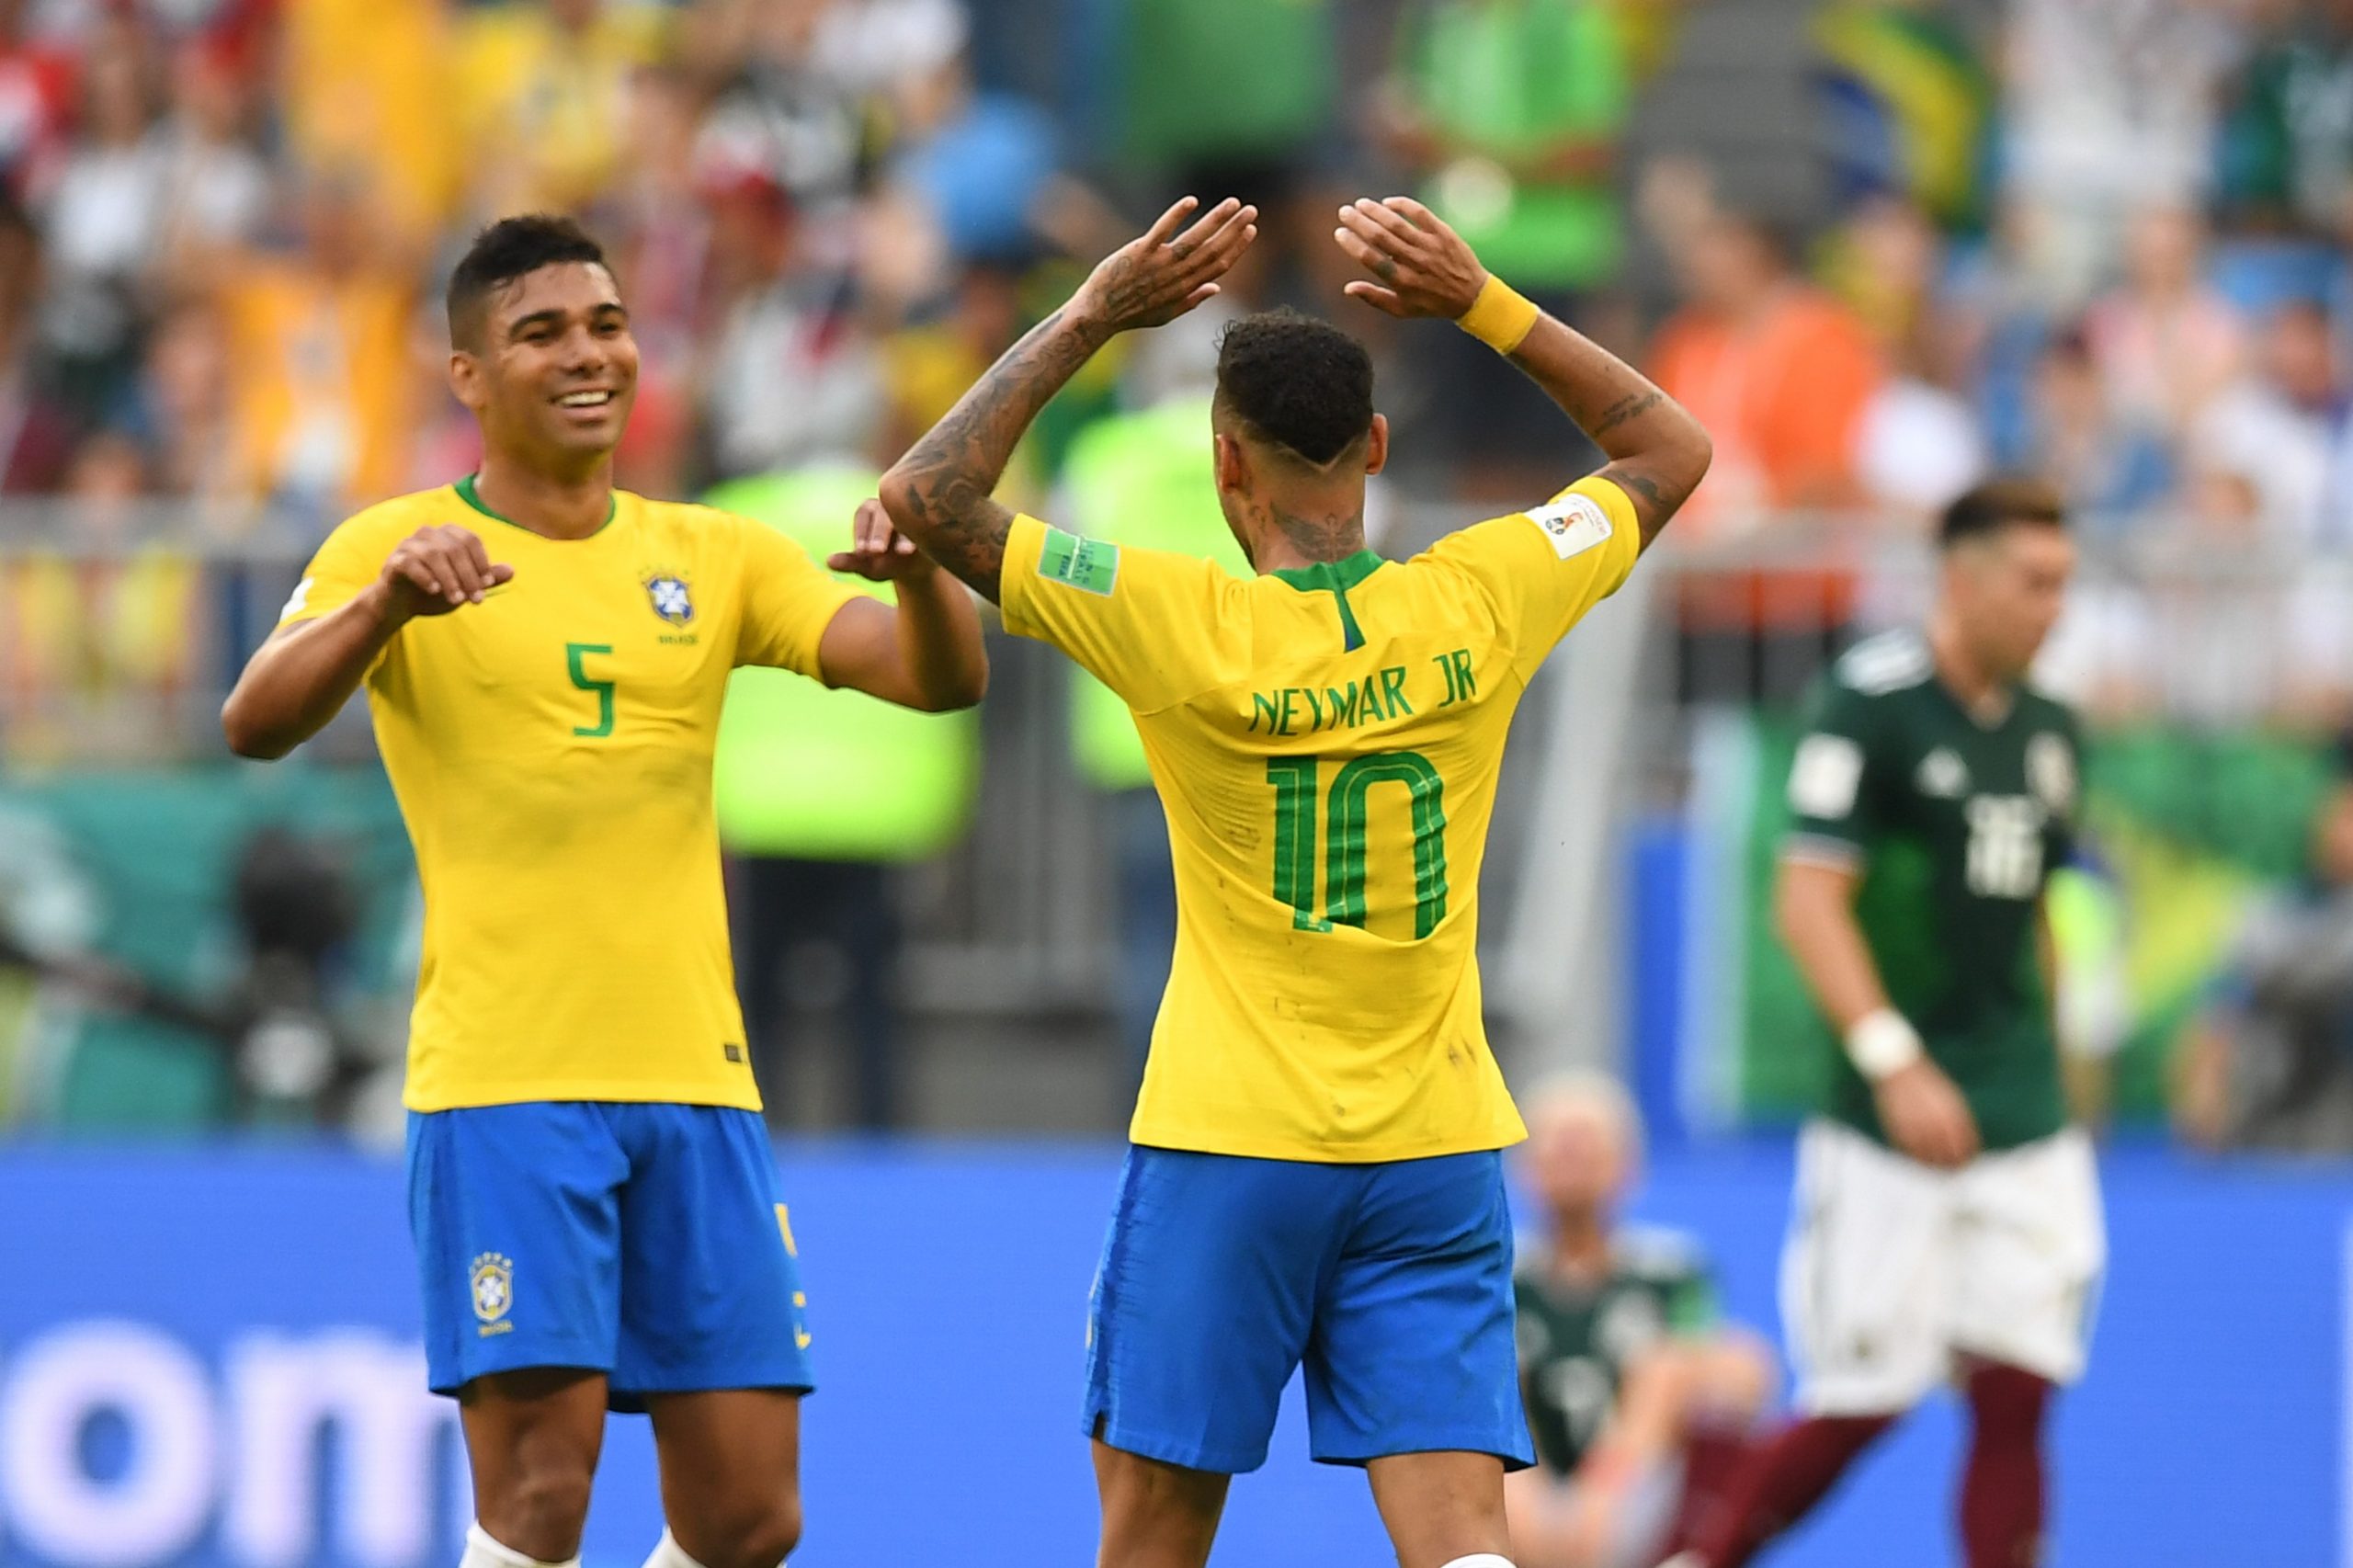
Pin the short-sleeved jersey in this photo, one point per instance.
(1578, 1337)
(550, 748)
(1326, 743)
(1955, 825)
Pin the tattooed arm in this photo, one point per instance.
(1657, 452)
(941, 493)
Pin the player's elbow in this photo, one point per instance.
(901, 498)
(246, 735)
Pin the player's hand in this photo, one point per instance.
(1925, 1117)
(434, 570)
(1425, 267)
(1158, 277)
(879, 553)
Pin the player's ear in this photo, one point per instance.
(465, 379)
(1376, 447)
(1233, 463)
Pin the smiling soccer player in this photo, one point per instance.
(590, 1185)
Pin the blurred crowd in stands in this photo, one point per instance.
(1882, 248)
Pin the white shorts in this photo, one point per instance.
(1893, 1269)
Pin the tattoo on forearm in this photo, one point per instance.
(1634, 406)
(948, 477)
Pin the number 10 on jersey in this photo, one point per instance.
(1298, 783)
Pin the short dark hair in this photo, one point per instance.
(1297, 381)
(1997, 504)
(508, 249)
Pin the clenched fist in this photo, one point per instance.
(434, 570)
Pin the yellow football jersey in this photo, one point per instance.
(1327, 744)
(550, 748)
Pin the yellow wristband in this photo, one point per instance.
(1500, 317)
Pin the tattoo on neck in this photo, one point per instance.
(1320, 539)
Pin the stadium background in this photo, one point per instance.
(1880, 245)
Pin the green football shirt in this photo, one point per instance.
(1955, 823)
(1579, 1337)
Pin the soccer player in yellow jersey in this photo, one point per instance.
(1315, 1177)
(593, 1195)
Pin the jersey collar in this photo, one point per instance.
(473, 497)
(1334, 576)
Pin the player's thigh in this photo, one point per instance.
(2027, 1276)
(1203, 1300)
(1866, 1275)
(710, 1292)
(730, 1468)
(1156, 1514)
(1442, 1505)
(516, 1213)
(1413, 1350)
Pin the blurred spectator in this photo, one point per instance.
(791, 375)
(546, 84)
(2286, 427)
(2110, 110)
(364, 90)
(182, 404)
(782, 110)
(1229, 97)
(986, 166)
(821, 796)
(217, 189)
(36, 435)
(2269, 1063)
(101, 221)
(2165, 339)
(1910, 102)
(36, 104)
(1918, 445)
(318, 352)
(1780, 373)
(2287, 138)
(1510, 112)
(2108, 470)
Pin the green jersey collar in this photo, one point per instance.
(473, 497)
(1336, 576)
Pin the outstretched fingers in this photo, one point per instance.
(1165, 226)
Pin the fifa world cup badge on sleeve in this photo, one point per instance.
(1089, 564)
(1572, 524)
(492, 1279)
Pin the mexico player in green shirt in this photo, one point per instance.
(1948, 1221)
(1640, 1396)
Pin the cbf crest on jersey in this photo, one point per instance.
(492, 1282)
(671, 599)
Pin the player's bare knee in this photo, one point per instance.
(760, 1532)
(540, 1510)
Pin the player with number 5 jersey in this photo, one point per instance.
(1315, 1177)
(590, 1185)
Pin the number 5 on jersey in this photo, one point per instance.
(1296, 780)
(575, 656)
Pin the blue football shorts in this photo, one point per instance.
(1391, 1284)
(647, 1241)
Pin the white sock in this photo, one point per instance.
(668, 1553)
(1481, 1559)
(484, 1553)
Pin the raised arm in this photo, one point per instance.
(301, 677)
(941, 494)
(1657, 452)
